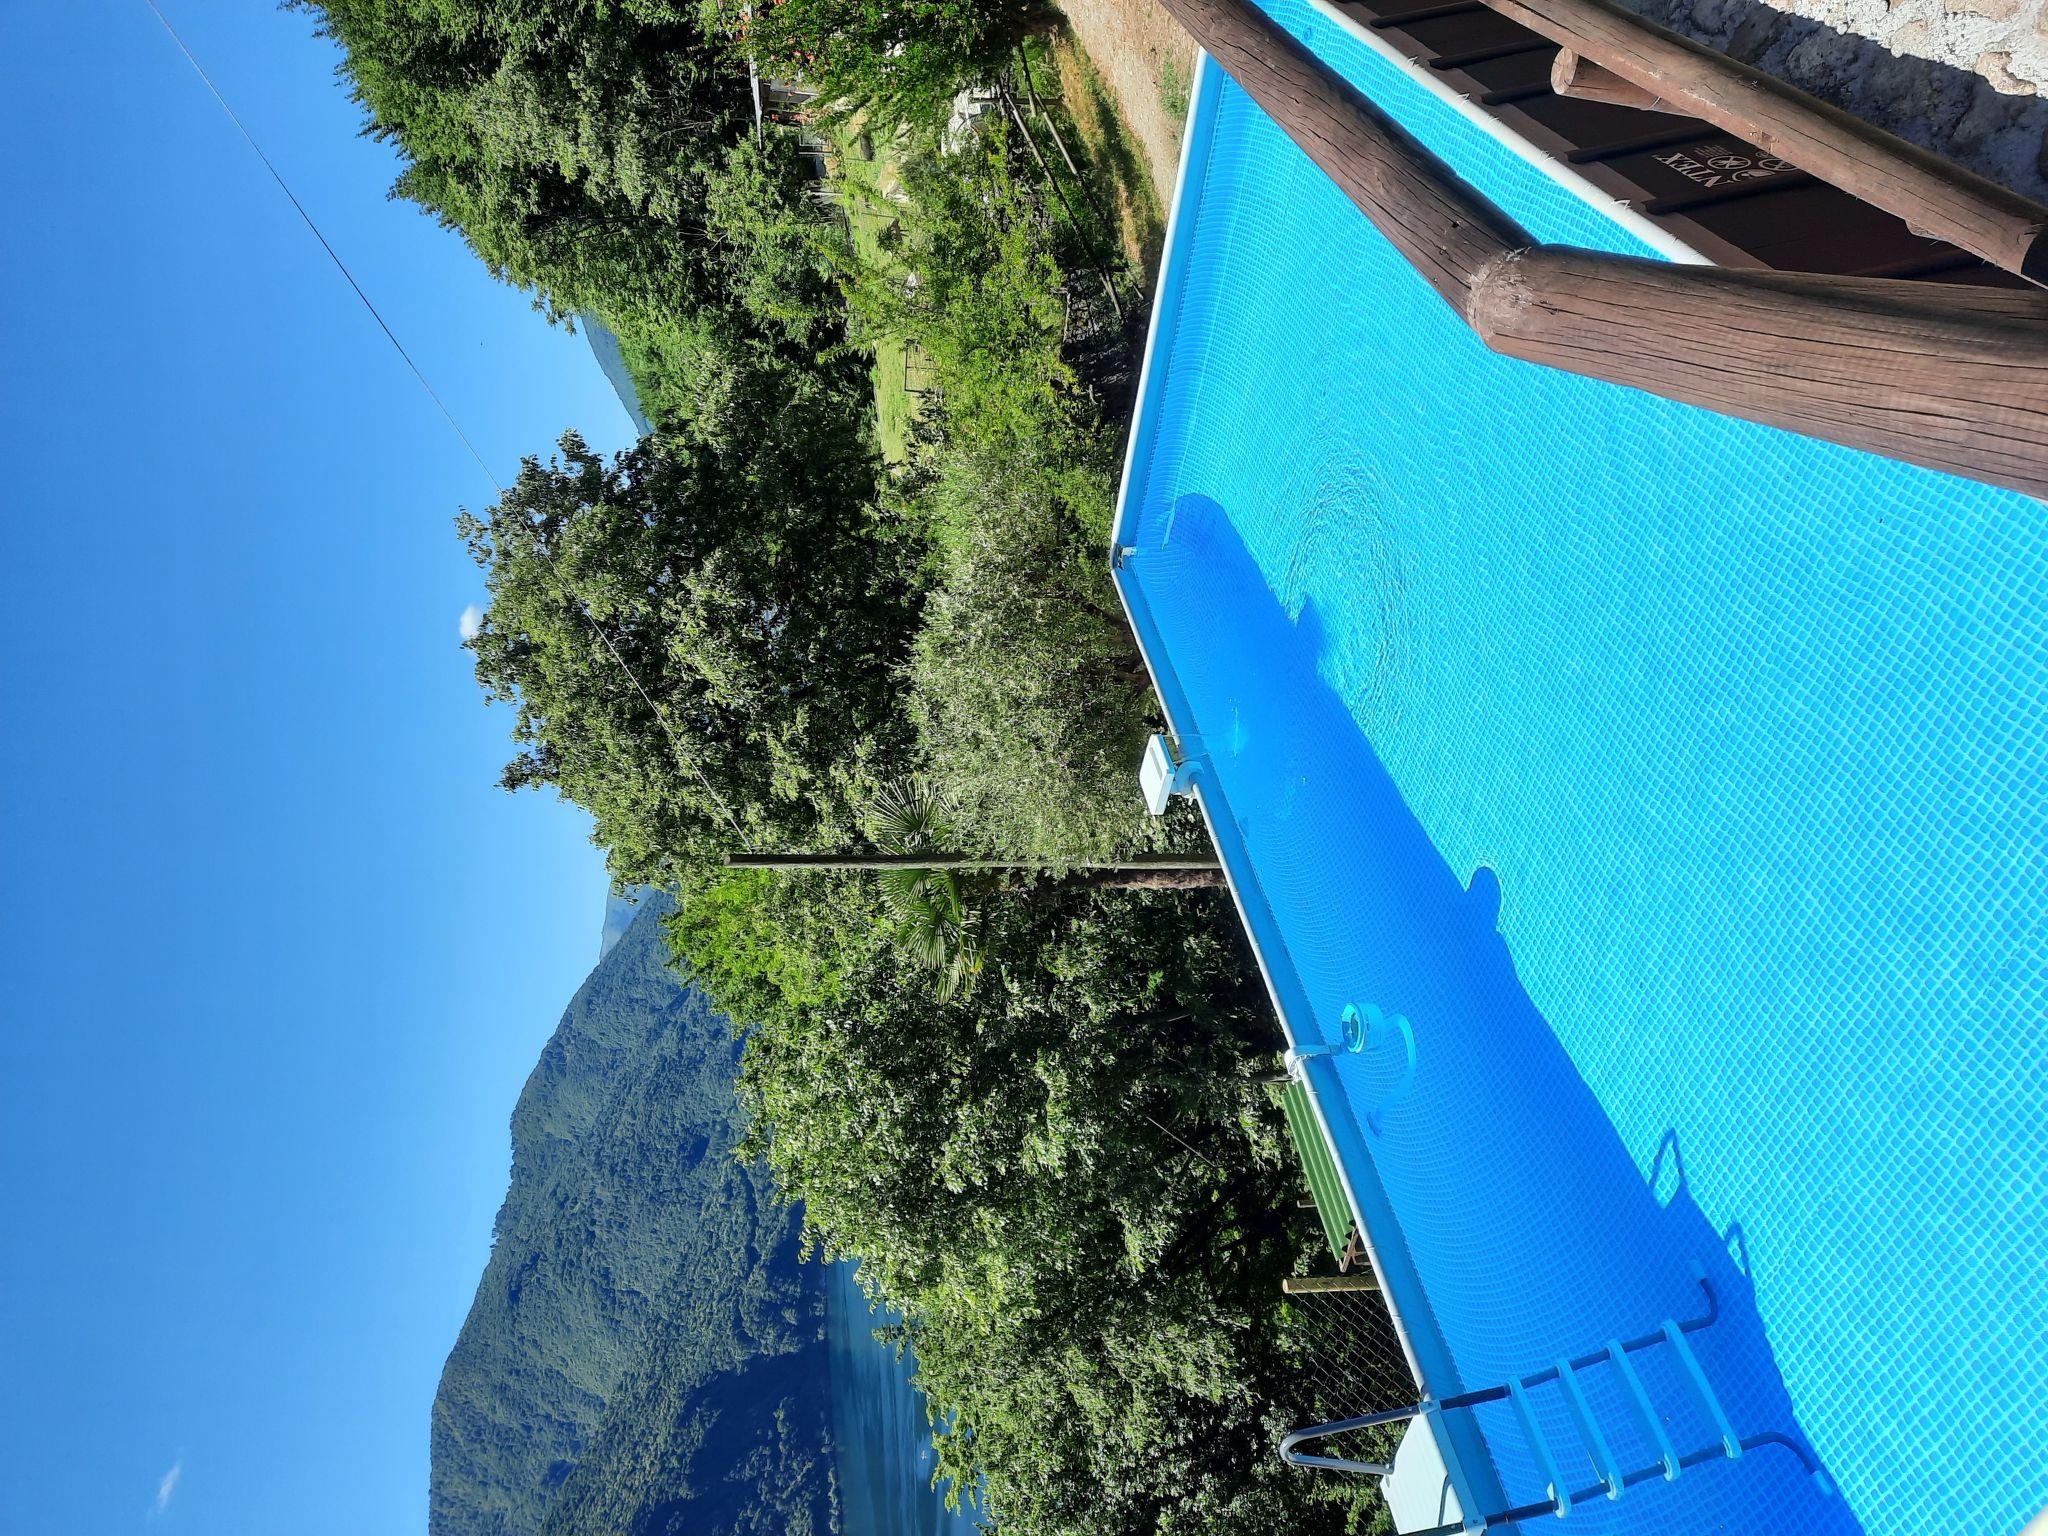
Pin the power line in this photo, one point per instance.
(332, 255)
(548, 560)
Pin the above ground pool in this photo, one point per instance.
(1669, 792)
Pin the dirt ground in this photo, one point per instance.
(1148, 63)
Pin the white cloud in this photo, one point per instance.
(167, 1487)
(471, 622)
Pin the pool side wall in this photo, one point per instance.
(1644, 229)
(1429, 1357)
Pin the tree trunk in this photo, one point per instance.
(1140, 870)
(1124, 878)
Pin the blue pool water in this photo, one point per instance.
(1682, 783)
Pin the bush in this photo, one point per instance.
(902, 60)
(1029, 700)
(1071, 1184)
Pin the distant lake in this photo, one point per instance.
(884, 1455)
(885, 1443)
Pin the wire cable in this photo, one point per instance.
(554, 571)
(332, 255)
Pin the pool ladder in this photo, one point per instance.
(1613, 1478)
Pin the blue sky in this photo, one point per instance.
(277, 954)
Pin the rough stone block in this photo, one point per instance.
(1997, 68)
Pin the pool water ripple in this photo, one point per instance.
(1748, 729)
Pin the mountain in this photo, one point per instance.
(620, 908)
(604, 346)
(645, 1355)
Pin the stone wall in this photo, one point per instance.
(1967, 78)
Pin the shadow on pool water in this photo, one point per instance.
(1494, 1175)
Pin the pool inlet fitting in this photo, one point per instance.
(1358, 1028)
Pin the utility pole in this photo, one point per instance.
(1140, 871)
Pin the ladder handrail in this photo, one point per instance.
(1613, 1480)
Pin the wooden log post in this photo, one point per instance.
(1136, 863)
(1931, 194)
(1573, 75)
(1138, 872)
(1951, 377)
(1445, 229)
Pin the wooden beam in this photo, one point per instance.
(1951, 377)
(1139, 872)
(1137, 863)
(1318, 1285)
(1445, 229)
(1580, 78)
(1931, 194)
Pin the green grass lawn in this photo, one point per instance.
(868, 179)
(1113, 198)
(895, 407)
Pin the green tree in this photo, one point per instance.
(1031, 701)
(1071, 1183)
(902, 58)
(604, 158)
(572, 144)
(1032, 705)
(930, 909)
(700, 638)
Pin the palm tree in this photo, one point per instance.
(927, 902)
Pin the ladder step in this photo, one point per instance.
(1667, 1454)
(1596, 1443)
(1560, 1495)
(1731, 1443)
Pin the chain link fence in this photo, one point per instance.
(1343, 1337)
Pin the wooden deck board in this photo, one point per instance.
(1716, 192)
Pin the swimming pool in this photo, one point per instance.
(1680, 782)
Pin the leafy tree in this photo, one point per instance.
(1030, 699)
(1069, 1181)
(700, 637)
(1031, 703)
(902, 58)
(929, 907)
(571, 143)
(990, 303)
(604, 157)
